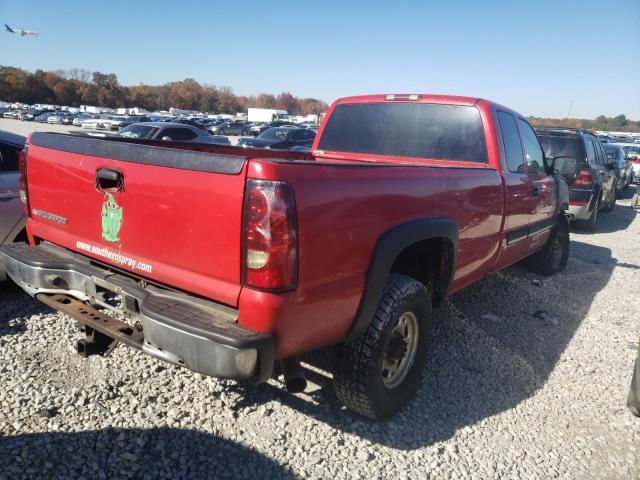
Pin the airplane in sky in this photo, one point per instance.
(19, 31)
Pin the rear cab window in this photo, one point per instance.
(410, 130)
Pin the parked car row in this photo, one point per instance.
(595, 172)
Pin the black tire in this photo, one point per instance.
(360, 365)
(590, 224)
(611, 203)
(552, 258)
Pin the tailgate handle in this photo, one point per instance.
(108, 180)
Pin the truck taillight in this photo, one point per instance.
(22, 179)
(583, 178)
(270, 236)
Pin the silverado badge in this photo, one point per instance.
(111, 219)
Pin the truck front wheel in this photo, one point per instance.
(378, 373)
(552, 258)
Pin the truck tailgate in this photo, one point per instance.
(175, 218)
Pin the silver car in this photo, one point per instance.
(12, 218)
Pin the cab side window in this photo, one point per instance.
(511, 141)
(532, 149)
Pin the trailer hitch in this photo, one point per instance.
(95, 343)
(102, 332)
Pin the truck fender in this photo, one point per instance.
(387, 249)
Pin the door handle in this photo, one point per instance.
(8, 195)
(109, 180)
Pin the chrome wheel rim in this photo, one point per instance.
(400, 351)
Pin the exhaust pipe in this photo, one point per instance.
(294, 378)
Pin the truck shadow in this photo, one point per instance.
(15, 307)
(495, 345)
(135, 453)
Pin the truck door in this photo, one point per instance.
(521, 200)
(543, 189)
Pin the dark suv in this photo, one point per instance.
(580, 158)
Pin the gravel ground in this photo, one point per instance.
(528, 378)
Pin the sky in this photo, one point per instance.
(537, 57)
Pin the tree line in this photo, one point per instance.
(77, 87)
(609, 124)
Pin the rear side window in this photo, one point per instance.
(591, 152)
(602, 157)
(511, 140)
(418, 130)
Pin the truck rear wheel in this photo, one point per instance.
(376, 374)
(552, 258)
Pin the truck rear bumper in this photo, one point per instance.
(200, 335)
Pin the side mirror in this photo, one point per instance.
(166, 139)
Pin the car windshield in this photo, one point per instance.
(275, 134)
(138, 131)
(561, 146)
(414, 130)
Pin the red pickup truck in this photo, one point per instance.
(226, 260)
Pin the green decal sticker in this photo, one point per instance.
(111, 219)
